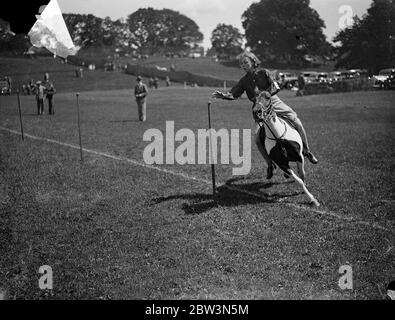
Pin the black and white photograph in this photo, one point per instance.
(219, 152)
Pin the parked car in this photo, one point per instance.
(379, 81)
(336, 76)
(389, 83)
(323, 77)
(287, 80)
(355, 73)
(310, 76)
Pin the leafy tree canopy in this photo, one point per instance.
(5, 31)
(227, 40)
(284, 30)
(163, 29)
(369, 43)
(90, 31)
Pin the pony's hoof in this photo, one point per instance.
(314, 203)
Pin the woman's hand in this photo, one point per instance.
(218, 95)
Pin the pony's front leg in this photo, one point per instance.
(301, 172)
(313, 201)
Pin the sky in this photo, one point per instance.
(209, 13)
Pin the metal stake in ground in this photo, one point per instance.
(79, 125)
(211, 150)
(20, 114)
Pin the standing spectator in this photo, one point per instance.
(39, 91)
(168, 83)
(141, 92)
(50, 91)
(282, 81)
(301, 85)
(31, 86)
(151, 82)
(79, 72)
(9, 82)
(24, 89)
(46, 81)
(156, 82)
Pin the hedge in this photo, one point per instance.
(78, 61)
(338, 86)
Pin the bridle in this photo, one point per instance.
(266, 111)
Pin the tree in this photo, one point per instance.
(10, 41)
(85, 30)
(284, 30)
(124, 38)
(369, 42)
(109, 35)
(227, 40)
(155, 30)
(5, 30)
(90, 31)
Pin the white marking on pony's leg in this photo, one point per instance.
(300, 181)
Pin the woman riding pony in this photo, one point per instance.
(255, 81)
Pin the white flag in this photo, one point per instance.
(50, 31)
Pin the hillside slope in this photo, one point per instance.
(63, 75)
(22, 70)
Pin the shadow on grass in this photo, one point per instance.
(228, 195)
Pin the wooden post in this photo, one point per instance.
(79, 125)
(20, 114)
(211, 151)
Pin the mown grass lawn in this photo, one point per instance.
(111, 229)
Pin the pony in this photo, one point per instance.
(282, 141)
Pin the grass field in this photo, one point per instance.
(116, 229)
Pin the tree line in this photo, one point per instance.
(146, 30)
(277, 31)
(370, 42)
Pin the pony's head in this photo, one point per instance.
(263, 105)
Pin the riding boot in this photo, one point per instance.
(309, 155)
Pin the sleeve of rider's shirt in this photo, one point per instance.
(236, 91)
